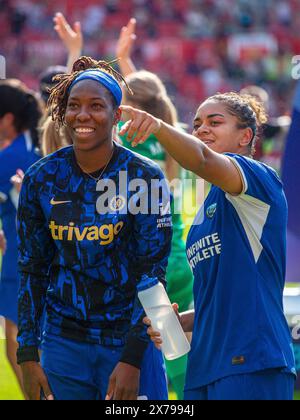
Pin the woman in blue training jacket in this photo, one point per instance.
(19, 117)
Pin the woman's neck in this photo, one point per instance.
(92, 160)
(9, 138)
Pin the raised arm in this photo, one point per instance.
(71, 37)
(124, 48)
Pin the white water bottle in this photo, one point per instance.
(158, 308)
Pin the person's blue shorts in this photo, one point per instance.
(269, 385)
(80, 371)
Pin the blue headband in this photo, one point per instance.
(104, 79)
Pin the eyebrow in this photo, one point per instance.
(211, 116)
(99, 98)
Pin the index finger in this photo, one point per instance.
(110, 389)
(20, 173)
(61, 18)
(46, 389)
(131, 25)
(147, 321)
(127, 108)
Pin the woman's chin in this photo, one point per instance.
(84, 144)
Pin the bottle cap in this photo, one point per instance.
(146, 283)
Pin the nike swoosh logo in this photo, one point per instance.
(55, 203)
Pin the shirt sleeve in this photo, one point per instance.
(262, 196)
(259, 180)
(36, 252)
(6, 172)
(152, 240)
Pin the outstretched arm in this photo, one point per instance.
(190, 152)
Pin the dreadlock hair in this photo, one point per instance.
(59, 94)
(249, 111)
(20, 101)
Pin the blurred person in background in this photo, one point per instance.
(53, 137)
(290, 168)
(19, 117)
(271, 146)
(46, 82)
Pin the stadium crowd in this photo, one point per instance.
(204, 45)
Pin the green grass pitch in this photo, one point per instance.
(9, 389)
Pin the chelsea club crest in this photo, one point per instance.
(211, 210)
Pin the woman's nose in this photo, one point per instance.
(202, 129)
(83, 114)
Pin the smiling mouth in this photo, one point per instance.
(83, 130)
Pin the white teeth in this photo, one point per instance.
(84, 130)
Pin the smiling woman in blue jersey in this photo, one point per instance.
(19, 117)
(82, 262)
(241, 347)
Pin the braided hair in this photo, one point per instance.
(59, 94)
(247, 109)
